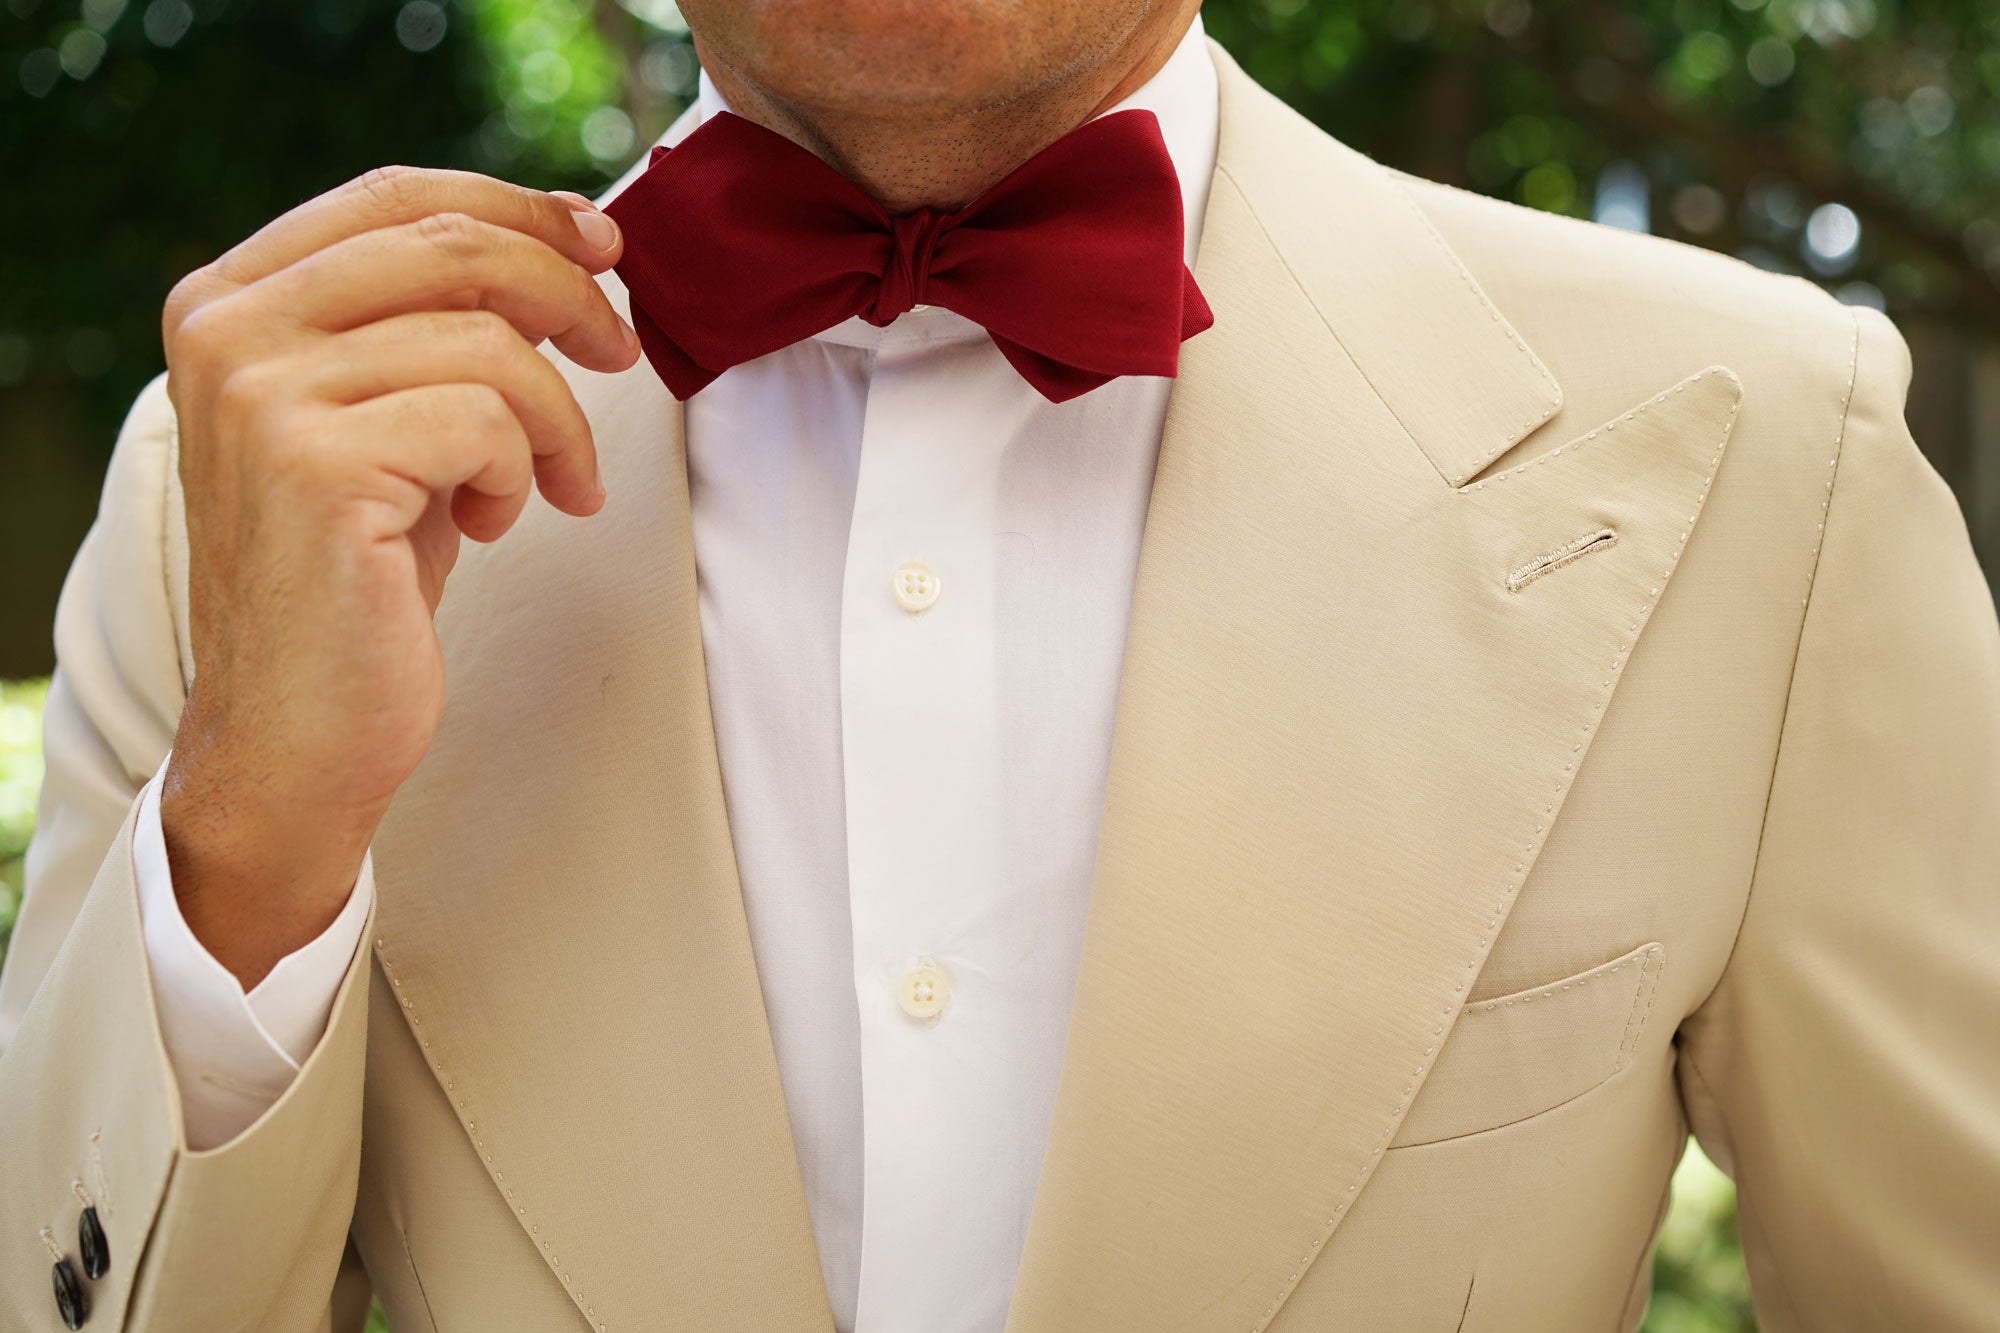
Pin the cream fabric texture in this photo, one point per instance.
(1429, 913)
(955, 761)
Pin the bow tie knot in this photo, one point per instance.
(739, 242)
(906, 279)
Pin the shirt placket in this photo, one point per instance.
(921, 758)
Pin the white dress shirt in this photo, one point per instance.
(915, 575)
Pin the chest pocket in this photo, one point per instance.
(1515, 1056)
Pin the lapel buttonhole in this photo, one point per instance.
(1601, 540)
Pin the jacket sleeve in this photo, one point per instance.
(249, 1235)
(233, 1055)
(1846, 1068)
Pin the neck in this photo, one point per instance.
(942, 156)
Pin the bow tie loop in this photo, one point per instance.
(906, 280)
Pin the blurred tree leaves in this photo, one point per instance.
(1699, 1285)
(146, 136)
(1736, 124)
(144, 139)
(20, 784)
(556, 86)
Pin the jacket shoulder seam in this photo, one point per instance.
(1798, 643)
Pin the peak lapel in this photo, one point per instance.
(560, 918)
(1356, 691)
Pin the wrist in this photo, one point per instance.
(256, 875)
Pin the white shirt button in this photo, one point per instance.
(924, 990)
(916, 586)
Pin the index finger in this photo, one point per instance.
(395, 196)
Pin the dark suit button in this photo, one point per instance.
(69, 1296)
(96, 1249)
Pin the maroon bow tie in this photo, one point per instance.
(738, 242)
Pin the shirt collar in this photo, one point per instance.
(1181, 95)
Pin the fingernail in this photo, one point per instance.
(631, 336)
(597, 230)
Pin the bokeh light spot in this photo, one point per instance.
(1700, 209)
(545, 76)
(101, 14)
(1833, 236)
(1549, 187)
(420, 25)
(1770, 60)
(1931, 109)
(608, 134)
(40, 69)
(1624, 198)
(662, 14)
(81, 52)
(167, 21)
(669, 68)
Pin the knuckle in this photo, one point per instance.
(190, 294)
(589, 307)
(297, 458)
(182, 298)
(202, 343)
(245, 393)
(549, 216)
(488, 335)
(458, 235)
(392, 191)
(483, 407)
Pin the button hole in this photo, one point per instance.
(1601, 540)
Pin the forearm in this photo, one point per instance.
(254, 881)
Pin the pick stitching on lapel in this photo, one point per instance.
(1324, 654)
(1342, 737)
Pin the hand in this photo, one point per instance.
(357, 386)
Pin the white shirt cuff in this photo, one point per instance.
(233, 1054)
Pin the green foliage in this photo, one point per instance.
(20, 782)
(1699, 1285)
(155, 140)
(1730, 123)
(556, 84)
(155, 134)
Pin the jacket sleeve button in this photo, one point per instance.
(70, 1302)
(95, 1248)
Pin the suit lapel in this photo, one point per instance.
(1356, 691)
(1342, 739)
(560, 916)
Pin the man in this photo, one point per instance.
(1555, 706)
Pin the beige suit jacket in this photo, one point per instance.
(1561, 709)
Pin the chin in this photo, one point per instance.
(908, 54)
